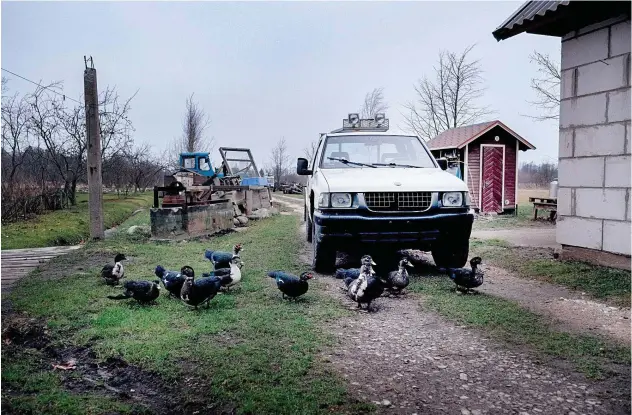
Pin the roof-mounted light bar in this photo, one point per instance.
(355, 123)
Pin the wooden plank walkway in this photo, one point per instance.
(16, 263)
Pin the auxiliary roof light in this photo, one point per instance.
(380, 118)
(354, 119)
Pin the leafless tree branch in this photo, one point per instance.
(374, 103)
(546, 86)
(310, 150)
(279, 159)
(449, 99)
(195, 123)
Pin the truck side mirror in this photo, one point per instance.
(443, 163)
(301, 167)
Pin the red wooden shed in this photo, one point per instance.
(488, 156)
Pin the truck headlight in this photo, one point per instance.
(341, 200)
(323, 200)
(453, 199)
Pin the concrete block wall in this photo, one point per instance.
(594, 147)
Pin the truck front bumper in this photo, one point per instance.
(409, 231)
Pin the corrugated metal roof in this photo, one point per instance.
(526, 14)
(454, 137)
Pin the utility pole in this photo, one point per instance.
(93, 133)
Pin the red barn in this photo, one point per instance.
(487, 154)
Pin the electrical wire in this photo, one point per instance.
(42, 86)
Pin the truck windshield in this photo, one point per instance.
(377, 150)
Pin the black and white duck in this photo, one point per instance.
(222, 259)
(234, 277)
(366, 287)
(291, 285)
(467, 278)
(351, 274)
(142, 291)
(396, 281)
(113, 273)
(197, 291)
(172, 280)
(221, 272)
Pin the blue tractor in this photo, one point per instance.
(197, 182)
(195, 169)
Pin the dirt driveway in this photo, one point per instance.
(409, 360)
(538, 237)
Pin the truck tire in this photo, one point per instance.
(324, 255)
(308, 225)
(451, 255)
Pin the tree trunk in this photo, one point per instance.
(72, 192)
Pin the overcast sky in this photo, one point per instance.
(265, 70)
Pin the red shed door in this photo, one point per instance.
(492, 180)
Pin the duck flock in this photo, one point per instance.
(362, 285)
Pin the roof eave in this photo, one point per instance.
(564, 18)
(504, 127)
(534, 23)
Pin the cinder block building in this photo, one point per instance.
(594, 206)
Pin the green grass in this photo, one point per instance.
(602, 283)
(517, 326)
(70, 226)
(250, 348)
(524, 218)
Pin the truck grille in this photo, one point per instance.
(398, 201)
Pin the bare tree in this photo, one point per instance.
(373, 103)
(116, 127)
(194, 126)
(16, 116)
(5, 85)
(310, 150)
(144, 168)
(52, 124)
(546, 86)
(279, 160)
(449, 99)
(61, 129)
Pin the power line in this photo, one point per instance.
(42, 86)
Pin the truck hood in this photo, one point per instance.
(385, 179)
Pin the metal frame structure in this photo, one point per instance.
(250, 160)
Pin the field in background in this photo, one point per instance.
(524, 193)
(70, 226)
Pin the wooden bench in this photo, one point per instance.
(544, 203)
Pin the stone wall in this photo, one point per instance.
(594, 166)
(194, 221)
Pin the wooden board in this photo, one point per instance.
(17, 263)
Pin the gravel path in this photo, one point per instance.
(539, 237)
(409, 360)
(568, 308)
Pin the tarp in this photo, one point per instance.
(456, 170)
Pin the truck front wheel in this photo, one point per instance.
(451, 254)
(324, 254)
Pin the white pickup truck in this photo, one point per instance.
(373, 191)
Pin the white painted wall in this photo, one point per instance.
(594, 168)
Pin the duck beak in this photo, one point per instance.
(373, 263)
(408, 264)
